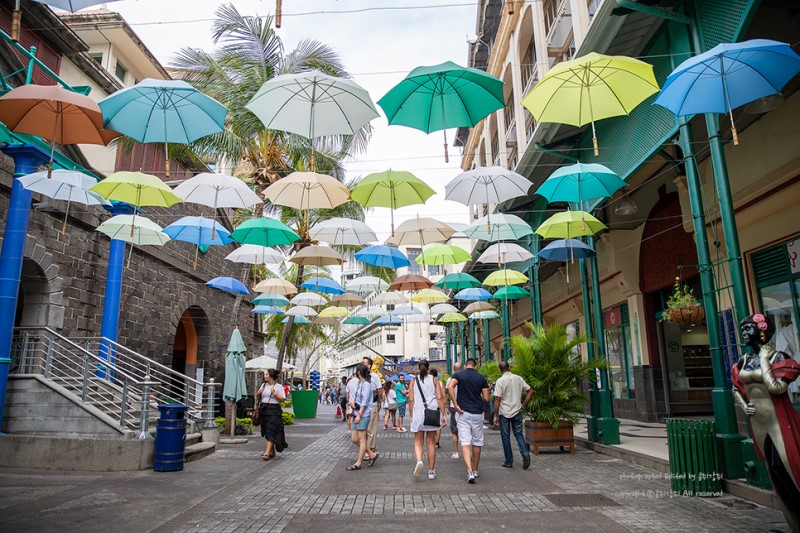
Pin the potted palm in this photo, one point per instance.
(548, 361)
(682, 306)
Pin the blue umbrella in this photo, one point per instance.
(200, 232)
(297, 320)
(323, 285)
(388, 320)
(383, 256)
(729, 76)
(580, 182)
(267, 310)
(228, 285)
(566, 250)
(396, 377)
(270, 299)
(473, 294)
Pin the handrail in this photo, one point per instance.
(31, 55)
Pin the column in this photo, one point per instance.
(506, 330)
(448, 351)
(472, 338)
(487, 343)
(594, 399)
(580, 20)
(518, 88)
(540, 39)
(463, 333)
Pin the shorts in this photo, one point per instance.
(401, 409)
(453, 424)
(470, 429)
(362, 425)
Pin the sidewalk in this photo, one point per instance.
(308, 489)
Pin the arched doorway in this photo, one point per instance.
(190, 348)
(33, 299)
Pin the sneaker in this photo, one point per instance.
(431, 474)
(394, 426)
(526, 461)
(455, 455)
(507, 465)
(385, 426)
(471, 477)
(403, 429)
(475, 473)
(418, 469)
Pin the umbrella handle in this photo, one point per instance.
(733, 129)
(446, 156)
(278, 13)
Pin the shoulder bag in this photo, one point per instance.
(432, 417)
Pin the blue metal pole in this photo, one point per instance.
(27, 159)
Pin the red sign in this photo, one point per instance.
(613, 317)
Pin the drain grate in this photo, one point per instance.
(580, 500)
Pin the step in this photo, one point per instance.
(193, 438)
(198, 451)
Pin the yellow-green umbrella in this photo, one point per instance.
(333, 312)
(443, 254)
(504, 278)
(569, 224)
(392, 189)
(452, 317)
(430, 296)
(590, 88)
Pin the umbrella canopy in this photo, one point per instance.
(420, 231)
(452, 317)
(72, 5)
(312, 104)
(458, 281)
(478, 306)
(347, 300)
(366, 284)
(503, 253)
(569, 224)
(580, 182)
(392, 189)
(438, 97)
(267, 310)
(217, 190)
(390, 298)
(323, 285)
(372, 310)
(325, 321)
(309, 298)
(484, 315)
(301, 310)
(430, 296)
(411, 282)
(383, 256)
(338, 231)
(228, 285)
(440, 309)
(511, 292)
(67, 185)
(307, 190)
(334, 312)
(265, 362)
(139, 230)
(198, 230)
(406, 310)
(486, 185)
(566, 250)
(137, 189)
(473, 294)
(298, 320)
(276, 286)
(503, 278)
(255, 254)
(357, 321)
(416, 319)
(405, 375)
(443, 254)
(590, 88)
(270, 299)
(388, 320)
(264, 231)
(501, 227)
(318, 256)
(235, 388)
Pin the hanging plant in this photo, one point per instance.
(683, 308)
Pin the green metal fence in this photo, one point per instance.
(693, 460)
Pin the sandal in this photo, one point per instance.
(265, 457)
(373, 460)
(353, 467)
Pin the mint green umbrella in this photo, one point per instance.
(234, 387)
(511, 292)
(264, 231)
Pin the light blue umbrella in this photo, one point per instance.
(383, 256)
(580, 182)
(297, 320)
(267, 310)
(323, 285)
(473, 294)
(396, 377)
(406, 310)
(388, 320)
(270, 299)
(229, 285)
(199, 231)
(234, 387)
(566, 250)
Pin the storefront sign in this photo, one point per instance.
(613, 317)
(793, 249)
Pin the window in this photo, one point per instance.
(98, 57)
(618, 351)
(434, 270)
(412, 255)
(120, 72)
(390, 339)
(433, 336)
(389, 308)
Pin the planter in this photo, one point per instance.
(539, 434)
(305, 403)
(687, 316)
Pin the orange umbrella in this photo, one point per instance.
(411, 282)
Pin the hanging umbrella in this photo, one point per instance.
(486, 185)
(300, 310)
(372, 310)
(264, 231)
(140, 231)
(318, 256)
(484, 315)
(452, 317)
(326, 321)
(503, 278)
(333, 312)
(73, 5)
(569, 224)
(438, 97)
(66, 185)
(503, 253)
(235, 387)
(430, 296)
(416, 319)
(406, 310)
(309, 298)
(566, 250)
(440, 309)
(443, 254)
(307, 190)
(347, 300)
(163, 111)
(270, 299)
(200, 232)
(262, 363)
(478, 306)
(411, 282)
(392, 189)
(390, 298)
(472, 294)
(343, 231)
(728, 76)
(217, 190)
(299, 319)
(267, 310)
(511, 292)
(591, 88)
(228, 285)
(458, 281)
(357, 321)
(502, 227)
(421, 231)
(383, 256)
(323, 285)
(276, 286)
(366, 284)
(579, 183)
(255, 254)
(388, 320)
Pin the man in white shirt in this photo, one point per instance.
(508, 409)
(453, 425)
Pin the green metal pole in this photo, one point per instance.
(506, 330)
(462, 332)
(594, 398)
(449, 352)
(533, 274)
(472, 338)
(487, 355)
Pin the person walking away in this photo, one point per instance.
(473, 391)
(352, 383)
(452, 412)
(361, 407)
(435, 374)
(425, 393)
(401, 391)
(343, 397)
(508, 407)
(270, 396)
(389, 405)
(377, 394)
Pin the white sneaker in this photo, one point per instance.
(431, 474)
(475, 473)
(471, 477)
(418, 469)
(455, 455)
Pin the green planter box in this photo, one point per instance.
(305, 403)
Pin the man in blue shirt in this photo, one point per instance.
(401, 390)
(468, 401)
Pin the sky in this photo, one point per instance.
(379, 42)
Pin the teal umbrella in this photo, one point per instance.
(458, 281)
(511, 293)
(234, 388)
(264, 231)
(357, 321)
(579, 183)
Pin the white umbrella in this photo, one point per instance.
(309, 299)
(420, 231)
(255, 254)
(217, 190)
(263, 363)
(300, 310)
(503, 253)
(486, 185)
(67, 185)
(406, 310)
(372, 310)
(390, 298)
(364, 284)
(440, 309)
(338, 231)
(416, 319)
(141, 231)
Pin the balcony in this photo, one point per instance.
(530, 127)
(561, 27)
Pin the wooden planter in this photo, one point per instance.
(687, 316)
(543, 434)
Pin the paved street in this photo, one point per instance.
(307, 489)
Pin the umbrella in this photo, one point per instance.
(324, 285)
(590, 88)
(406, 310)
(421, 231)
(501, 228)
(569, 224)
(317, 256)
(383, 256)
(366, 284)
(235, 387)
(307, 190)
(484, 315)
(140, 231)
(478, 306)
(309, 298)
(333, 312)
(388, 320)
(440, 309)
(392, 189)
(265, 362)
(372, 310)
(325, 321)
(473, 294)
(504, 278)
(458, 281)
(270, 299)
(504, 252)
(299, 319)
(357, 321)
(511, 292)
(301, 310)
(566, 250)
(411, 282)
(486, 185)
(580, 182)
(430, 296)
(217, 190)
(452, 317)
(390, 298)
(276, 286)
(416, 319)
(264, 231)
(229, 285)
(443, 254)
(67, 185)
(347, 300)
(200, 232)
(338, 231)
(267, 310)
(163, 111)
(728, 76)
(255, 254)
(438, 97)
(405, 375)
(73, 5)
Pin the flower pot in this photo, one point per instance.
(305, 403)
(687, 316)
(539, 434)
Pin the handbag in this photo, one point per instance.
(431, 417)
(257, 413)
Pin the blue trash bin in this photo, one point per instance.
(170, 438)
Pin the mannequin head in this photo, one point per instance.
(757, 329)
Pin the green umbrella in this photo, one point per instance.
(452, 317)
(458, 281)
(392, 189)
(264, 231)
(357, 321)
(235, 388)
(443, 254)
(438, 97)
(569, 224)
(511, 293)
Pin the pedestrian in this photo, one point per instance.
(401, 391)
(435, 374)
(377, 394)
(343, 397)
(473, 391)
(452, 412)
(352, 383)
(508, 407)
(425, 394)
(361, 407)
(270, 396)
(389, 405)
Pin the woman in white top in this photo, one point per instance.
(425, 392)
(270, 396)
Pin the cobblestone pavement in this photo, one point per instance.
(308, 489)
